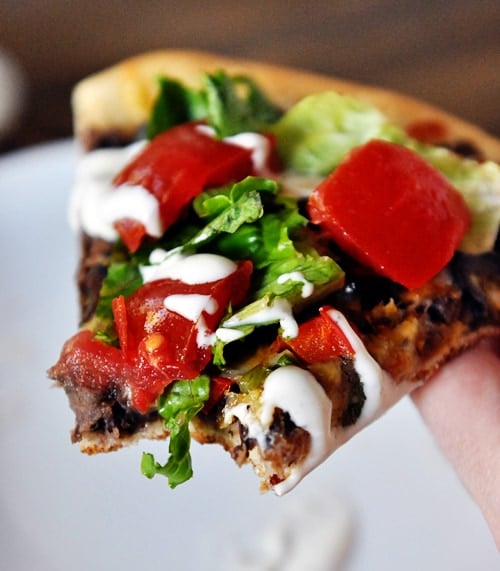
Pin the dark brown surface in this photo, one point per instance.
(447, 52)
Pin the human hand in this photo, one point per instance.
(461, 406)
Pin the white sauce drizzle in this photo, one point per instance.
(307, 286)
(227, 335)
(278, 310)
(255, 142)
(297, 392)
(365, 365)
(190, 269)
(191, 306)
(96, 204)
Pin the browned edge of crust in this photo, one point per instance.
(119, 99)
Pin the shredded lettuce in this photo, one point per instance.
(316, 134)
(122, 278)
(229, 208)
(479, 184)
(178, 405)
(236, 104)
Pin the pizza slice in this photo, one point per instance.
(270, 259)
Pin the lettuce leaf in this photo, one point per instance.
(236, 104)
(479, 184)
(178, 405)
(175, 104)
(229, 104)
(229, 208)
(314, 135)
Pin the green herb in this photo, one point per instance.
(122, 278)
(229, 104)
(236, 104)
(230, 210)
(178, 405)
(174, 105)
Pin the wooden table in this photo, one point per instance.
(445, 51)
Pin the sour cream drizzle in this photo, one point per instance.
(307, 287)
(255, 142)
(96, 204)
(279, 310)
(297, 392)
(192, 269)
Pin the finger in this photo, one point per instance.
(461, 406)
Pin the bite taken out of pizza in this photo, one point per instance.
(270, 259)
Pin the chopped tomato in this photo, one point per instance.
(157, 345)
(218, 388)
(176, 166)
(392, 211)
(87, 362)
(131, 232)
(178, 346)
(320, 339)
(428, 131)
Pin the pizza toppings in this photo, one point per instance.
(208, 309)
(392, 211)
(320, 339)
(176, 166)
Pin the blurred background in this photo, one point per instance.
(444, 51)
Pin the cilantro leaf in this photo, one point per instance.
(122, 278)
(229, 104)
(175, 104)
(178, 405)
(236, 104)
(231, 209)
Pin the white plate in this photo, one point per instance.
(388, 495)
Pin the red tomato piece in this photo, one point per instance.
(157, 346)
(428, 131)
(179, 163)
(218, 388)
(90, 363)
(131, 232)
(392, 211)
(162, 339)
(320, 339)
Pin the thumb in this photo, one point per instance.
(461, 406)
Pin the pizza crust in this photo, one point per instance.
(119, 99)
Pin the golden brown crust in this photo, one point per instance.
(99, 442)
(119, 99)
